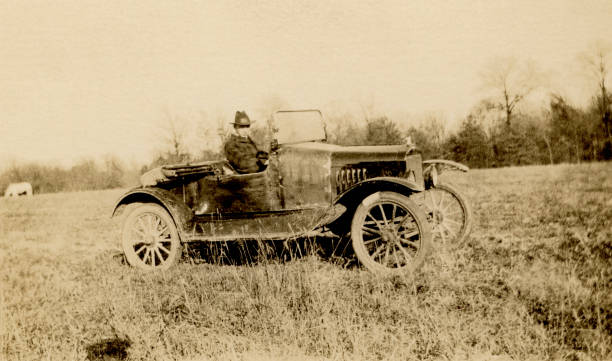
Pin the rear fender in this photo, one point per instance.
(179, 211)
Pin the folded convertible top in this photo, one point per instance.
(168, 173)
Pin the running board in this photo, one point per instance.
(252, 237)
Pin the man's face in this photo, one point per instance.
(243, 131)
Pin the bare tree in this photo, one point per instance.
(510, 81)
(597, 60)
(430, 135)
(542, 128)
(172, 133)
(263, 130)
(342, 128)
(435, 126)
(368, 108)
(488, 113)
(210, 131)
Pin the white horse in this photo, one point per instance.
(18, 189)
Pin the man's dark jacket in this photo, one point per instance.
(243, 155)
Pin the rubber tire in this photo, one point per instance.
(357, 238)
(465, 206)
(128, 250)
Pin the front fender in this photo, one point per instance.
(346, 202)
(434, 167)
(443, 164)
(369, 186)
(179, 211)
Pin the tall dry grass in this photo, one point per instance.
(532, 282)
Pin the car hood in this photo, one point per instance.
(361, 152)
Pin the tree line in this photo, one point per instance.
(86, 174)
(561, 133)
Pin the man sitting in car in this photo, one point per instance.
(240, 150)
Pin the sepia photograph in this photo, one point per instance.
(306, 180)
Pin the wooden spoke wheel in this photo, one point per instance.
(390, 233)
(448, 212)
(150, 238)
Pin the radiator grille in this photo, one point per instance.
(351, 174)
(347, 177)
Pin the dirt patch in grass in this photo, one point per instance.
(108, 350)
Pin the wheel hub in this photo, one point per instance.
(388, 235)
(150, 240)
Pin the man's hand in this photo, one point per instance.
(261, 155)
(274, 145)
(262, 159)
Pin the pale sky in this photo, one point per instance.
(88, 78)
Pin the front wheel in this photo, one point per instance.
(390, 233)
(150, 238)
(448, 211)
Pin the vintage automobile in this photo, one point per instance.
(384, 197)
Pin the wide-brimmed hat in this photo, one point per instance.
(242, 119)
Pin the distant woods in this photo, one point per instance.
(561, 133)
(85, 175)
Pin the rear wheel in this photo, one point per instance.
(390, 233)
(448, 211)
(150, 238)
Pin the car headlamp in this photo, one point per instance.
(431, 176)
(434, 176)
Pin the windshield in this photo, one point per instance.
(297, 126)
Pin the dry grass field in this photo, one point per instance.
(532, 282)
